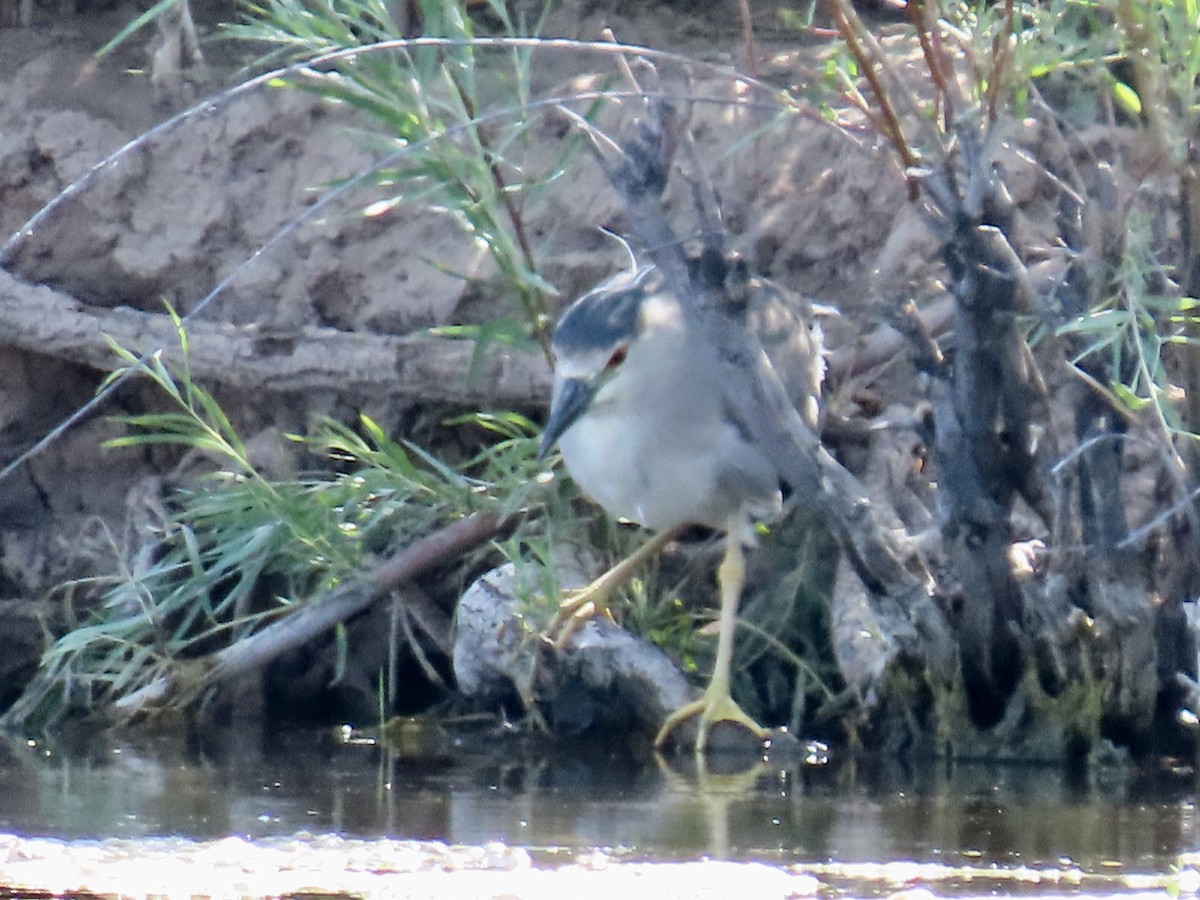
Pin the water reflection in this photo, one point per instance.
(481, 789)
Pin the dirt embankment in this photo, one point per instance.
(326, 313)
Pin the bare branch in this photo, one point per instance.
(427, 368)
(314, 619)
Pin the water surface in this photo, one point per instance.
(569, 800)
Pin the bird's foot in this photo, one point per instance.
(715, 706)
(574, 609)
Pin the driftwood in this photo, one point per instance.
(430, 369)
(296, 629)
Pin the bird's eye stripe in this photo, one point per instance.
(618, 357)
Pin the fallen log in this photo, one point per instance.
(427, 368)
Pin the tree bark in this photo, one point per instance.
(424, 368)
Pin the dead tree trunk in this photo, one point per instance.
(983, 402)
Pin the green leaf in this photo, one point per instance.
(1127, 98)
(1128, 397)
(139, 22)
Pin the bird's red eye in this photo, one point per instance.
(618, 357)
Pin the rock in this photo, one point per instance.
(604, 679)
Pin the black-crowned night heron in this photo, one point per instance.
(648, 429)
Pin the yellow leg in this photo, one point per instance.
(579, 605)
(716, 705)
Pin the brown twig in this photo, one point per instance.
(936, 59)
(748, 37)
(1001, 55)
(849, 26)
(623, 62)
(884, 344)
